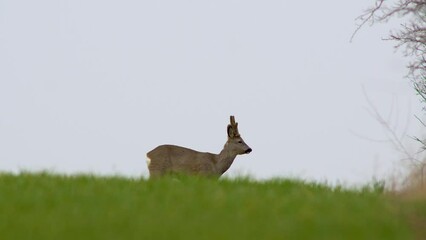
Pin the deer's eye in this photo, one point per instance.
(240, 141)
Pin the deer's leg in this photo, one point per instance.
(155, 174)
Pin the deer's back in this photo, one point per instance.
(171, 158)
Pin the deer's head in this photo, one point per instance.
(235, 143)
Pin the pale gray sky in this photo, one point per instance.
(91, 86)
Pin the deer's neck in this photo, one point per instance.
(224, 160)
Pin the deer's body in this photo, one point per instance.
(175, 159)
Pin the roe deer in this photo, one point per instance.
(174, 159)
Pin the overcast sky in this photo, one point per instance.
(91, 86)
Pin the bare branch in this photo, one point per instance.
(366, 17)
(394, 139)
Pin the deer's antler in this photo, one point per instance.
(234, 126)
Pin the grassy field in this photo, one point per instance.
(44, 206)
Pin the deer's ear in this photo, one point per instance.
(231, 133)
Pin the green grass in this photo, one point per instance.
(45, 206)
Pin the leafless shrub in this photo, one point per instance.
(411, 37)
